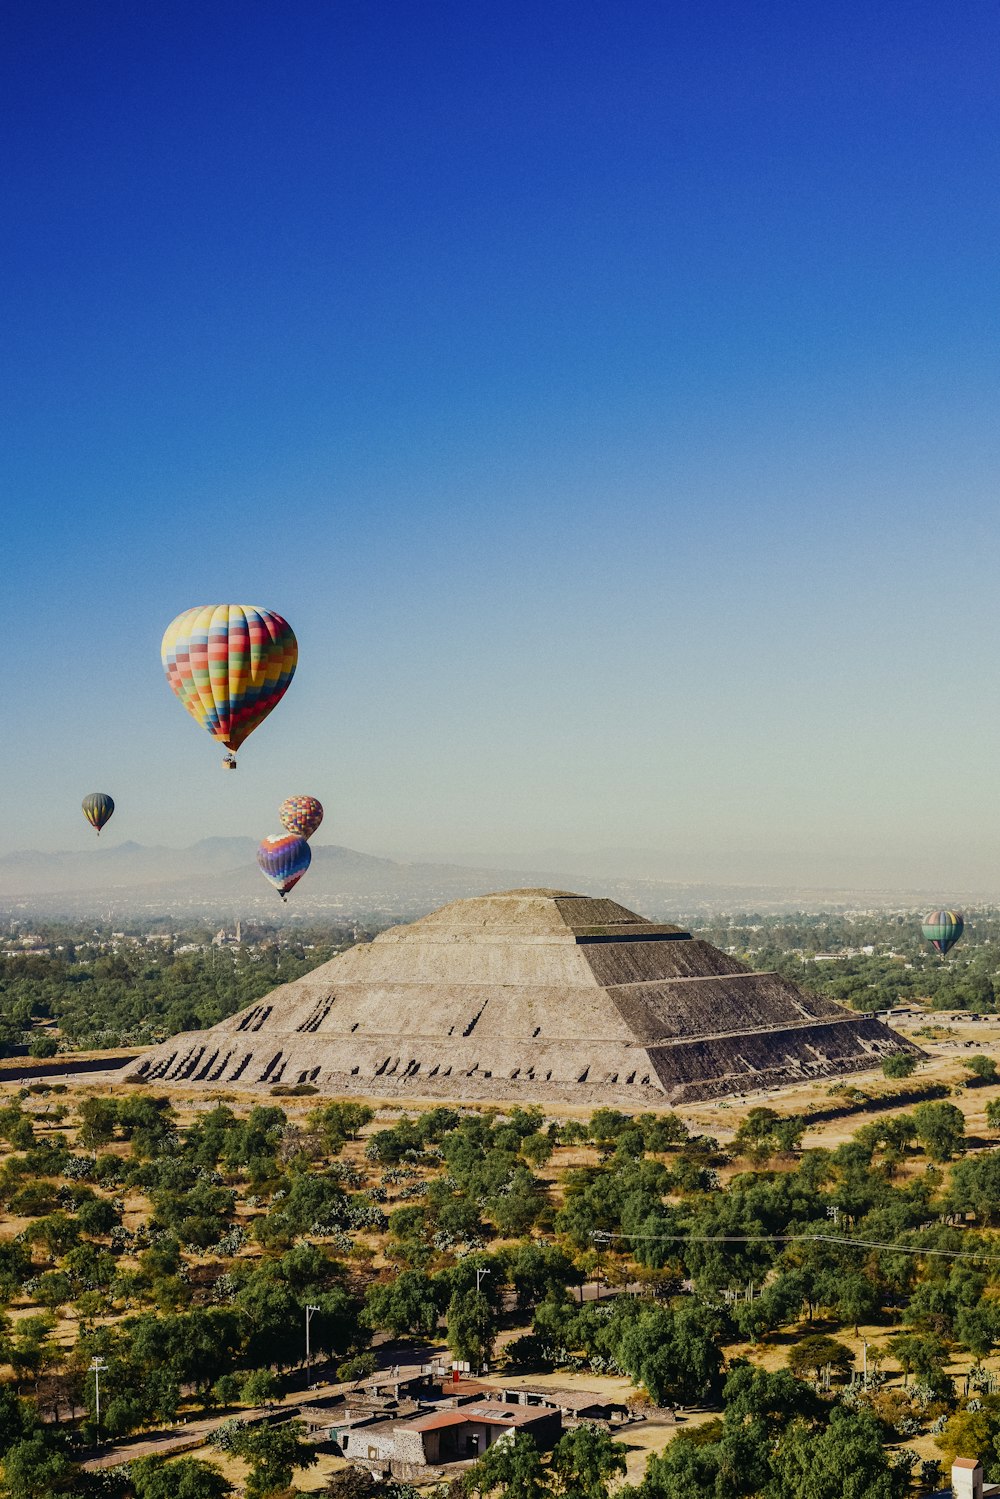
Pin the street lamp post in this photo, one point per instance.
(309, 1316)
(98, 1367)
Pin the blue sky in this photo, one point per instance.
(606, 394)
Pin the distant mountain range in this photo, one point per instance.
(222, 874)
(218, 877)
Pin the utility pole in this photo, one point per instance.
(309, 1316)
(98, 1367)
(481, 1270)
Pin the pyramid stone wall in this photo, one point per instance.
(524, 995)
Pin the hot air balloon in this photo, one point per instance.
(284, 859)
(97, 809)
(301, 814)
(229, 664)
(943, 929)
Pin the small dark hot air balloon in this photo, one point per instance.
(301, 815)
(229, 664)
(942, 929)
(97, 809)
(284, 859)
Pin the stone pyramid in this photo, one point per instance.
(525, 995)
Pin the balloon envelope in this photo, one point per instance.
(284, 859)
(943, 929)
(301, 815)
(97, 809)
(229, 664)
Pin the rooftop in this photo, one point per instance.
(438, 1419)
(498, 1413)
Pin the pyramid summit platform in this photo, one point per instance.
(530, 995)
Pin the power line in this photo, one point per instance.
(601, 1236)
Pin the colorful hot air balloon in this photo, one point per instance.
(943, 929)
(229, 664)
(284, 859)
(301, 814)
(97, 809)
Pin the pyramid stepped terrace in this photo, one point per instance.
(530, 995)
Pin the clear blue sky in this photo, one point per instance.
(606, 393)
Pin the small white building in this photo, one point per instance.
(967, 1481)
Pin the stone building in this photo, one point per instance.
(530, 995)
(408, 1446)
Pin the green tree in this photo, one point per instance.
(978, 1327)
(899, 1064)
(35, 1469)
(923, 1354)
(843, 1459)
(855, 1299)
(354, 1370)
(673, 1351)
(226, 1390)
(983, 1068)
(818, 1352)
(260, 1386)
(33, 1349)
(974, 1431)
(764, 1133)
(940, 1129)
(411, 1303)
(509, 1470)
(733, 1457)
(472, 1327)
(339, 1122)
(585, 1460)
(686, 1468)
(975, 1185)
(537, 1270)
(538, 1148)
(17, 1418)
(272, 1453)
(662, 1131)
(180, 1478)
(98, 1118)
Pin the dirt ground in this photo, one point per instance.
(307, 1480)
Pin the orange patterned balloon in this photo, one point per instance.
(301, 815)
(229, 664)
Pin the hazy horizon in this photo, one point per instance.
(207, 869)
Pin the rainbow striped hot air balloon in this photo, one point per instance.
(301, 814)
(229, 664)
(942, 929)
(98, 809)
(284, 859)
